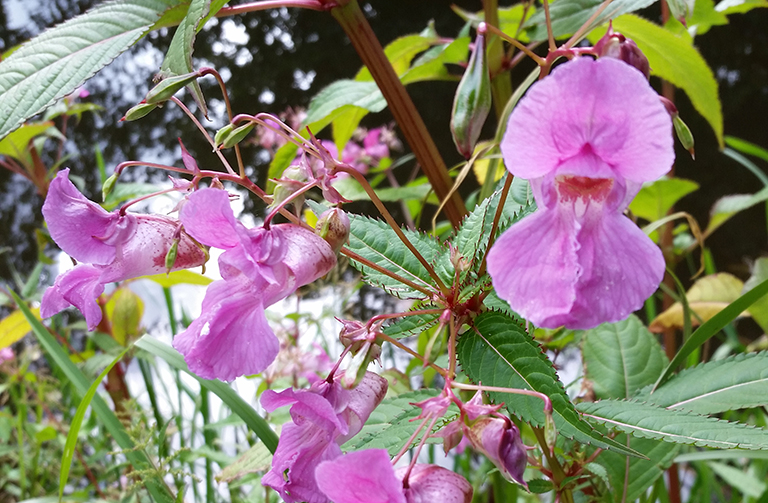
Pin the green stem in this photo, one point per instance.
(209, 437)
(558, 474)
(352, 20)
(501, 84)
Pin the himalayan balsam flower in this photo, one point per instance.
(109, 246)
(259, 267)
(368, 477)
(324, 417)
(586, 138)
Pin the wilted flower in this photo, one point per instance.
(499, 439)
(110, 246)
(586, 137)
(324, 417)
(232, 336)
(368, 477)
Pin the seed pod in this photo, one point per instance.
(684, 134)
(222, 133)
(472, 102)
(108, 186)
(168, 87)
(236, 136)
(139, 111)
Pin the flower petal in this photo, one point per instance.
(606, 105)
(621, 267)
(232, 336)
(534, 265)
(79, 287)
(207, 216)
(81, 227)
(360, 477)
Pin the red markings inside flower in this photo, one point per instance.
(571, 188)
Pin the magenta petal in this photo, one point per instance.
(605, 105)
(81, 227)
(208, 217)
(534, 266)
(79, 287)
(621, 267)
(363, 399)
(307, 255)
(232, 336)
(360, 477)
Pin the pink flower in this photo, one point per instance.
(324, 417)
(586, 138)
(260, 267)
(111, 247)
(499, 439)
(6, 354)
(368, 477)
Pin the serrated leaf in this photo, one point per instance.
(656, 198)
(410, 325)
(569, 15)
(707, 297)
(178, 59)
(376, 241)
(642, 472)
(504, 355)
(736, 382)
(675, 59)
(650, 421)
(58, 61)
(620, 358)
(389, 426)
(728, 206)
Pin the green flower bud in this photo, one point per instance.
(170, 257)
(108, 186)
(472, 102)
(138, 111)
(684, 134)
(222, 133)
(168, 87)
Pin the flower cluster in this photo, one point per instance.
(586, 137)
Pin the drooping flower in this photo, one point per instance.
(586, 137)
(232, 336)
(323, 417)
(109, 246)
(367, 476)
(499, 439)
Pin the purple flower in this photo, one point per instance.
(324, 417)
(368, 477)
(499, 439)
(111, 247)
(6, 354)
(586, 138)
(259, 267)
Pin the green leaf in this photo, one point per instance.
(656, 198)
(137, 457)
(678, 426)
(739, 6)
(58, 61)
(502, 354)
(410, 325)
(231, 399)
(712, 326)
(759, 309)
(350, 189)
(185, 277)
(122, 192)
(676, 60)
(705, 16)
(390, 425)
(15, 144)
(744, 482)
(254, 460)
(746, 147)
(728, 206)
(569, 15)
(737, 382)
(642, 472)
(343, 92)
(400, 52)
(178, 59)
(376, 241)
(77, 422)
(620, 358)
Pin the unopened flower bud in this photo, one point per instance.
(293, 178)
(499, 439)
(333, 226)
(684, 134)
(472, 102)
(616, 45)
(222, 133)
(236, 136)
(108, 186)
(139, 111)
(432, 483)
(459, 262)
(168, 87)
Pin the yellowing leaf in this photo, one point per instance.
(15, 326)
(178, 278)
(707, 297)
